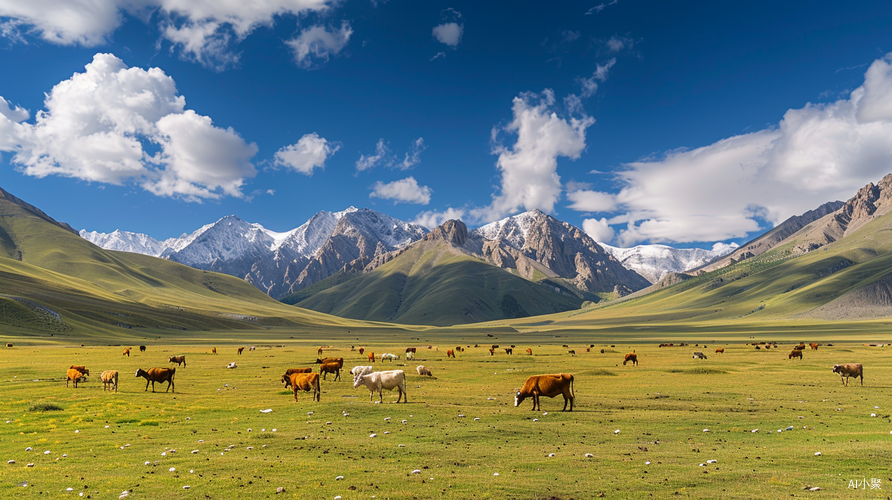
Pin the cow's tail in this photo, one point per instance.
(572, 389)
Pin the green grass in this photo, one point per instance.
(661, 409)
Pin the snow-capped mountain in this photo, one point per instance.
(277, 263)
(656, 261)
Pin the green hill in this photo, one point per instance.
(432, 283)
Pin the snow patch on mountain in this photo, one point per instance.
(655, 261)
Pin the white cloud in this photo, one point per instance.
(114, 124)
(315, 45)
(203, 29)
(404, 190)
(433, 218)
(11, 131)
(528, 169)
(724, 248)
(599, 230)
(448, 33)
(385, 158)
(591, 201)
(598, 8)
(590, 85)
(818, 153)
(308, 153)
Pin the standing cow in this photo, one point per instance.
(849, 370)
(548, 386)
(378, 381)
(631, 357)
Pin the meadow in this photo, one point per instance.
(670, 427)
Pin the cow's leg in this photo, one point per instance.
(381, 395)
(147, 385)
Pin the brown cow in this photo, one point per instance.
(73, 375)
(330, 360)
(142, 348)
(631, 357)
(800, 347)
(179, 360)
(8, 345)
(80, 368)
(158, 375)
(286, 379)
(326, 368)
(548, 386)
(450, 353)
(529, 351)
(720, 350)
(849, 370)
(109, 379)
(795, 353)
(240, 349)
(213, 350)
(126, 352)
(492, 351)
(572, 352)
(361, 350)
(371, 357)
(814, 346)
(305, 382)
(319, 352)
(508, 350)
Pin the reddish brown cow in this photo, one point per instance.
(631, 357)
(240, 349)
(179, 360)
(720, 351)
(529, 351)
(80, 368)
(326, 368)
(795, 354)
(371, 357)
(814, 346)
(213, 350)
(849, 370)
(73, 375)
(319, 352)
(159, 375)
(492, 351)
(548, 386)
(361, 350)
(305, 382)
(450, 353)
(286, 379)
(126, 352)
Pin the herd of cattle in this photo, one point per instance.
(306, 380)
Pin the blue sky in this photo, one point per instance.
(641, 122)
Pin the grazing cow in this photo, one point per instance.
(459, 348)
(548, 386)
(378, 381)
(159, 375)
(720, 350)
(389, 357)
(450, 353)
(699, 355)
(361, 350)
(251, 348)
(213, 350)
(423, 371)
(286, 379)
(814, 346)
(305, 382)
(240, 349)
(588, 349)
(126, 352)
(109, 379)
(360, 370)
(800, 347)
(795, 354)
(80, 368)
(572, 352)
(142, 348)
(73, 375)
(849, 370)
(492, 351)
(509, 350)
(179, 360)
(8, 345)
(326, 368)
(339, 361)
(758, 348)
(631, 357)
(371, 357)
(529, 351)
(767, 346)
(319, 352)
(412, 350)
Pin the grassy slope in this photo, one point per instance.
(412, 289)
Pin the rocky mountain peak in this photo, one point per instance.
(454, 232)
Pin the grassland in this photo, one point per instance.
(459, 428)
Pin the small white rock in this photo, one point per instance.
(386, 432)
(47, 452)
(416, 471)
(10, 461)
(705, 430)
(372, 435)
(194, 451)
(69, 489)
(495, 473)
(147, 463)
(404, 421)
(28, 449)
(274, 430)
(873, 414)
(65, 455)
(646, 463)
(817, 453)
(339, 478)
(476, 418)
(172, 469)
(402, 446)
(268, 410)
(186, 487)
(550, 455)
(77, 431)
(616, 431)
(589, 455)
(711, 461)
(535, 420)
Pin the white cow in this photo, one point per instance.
(389, 357)
(423, 371)
(361, 370)
(377, 381)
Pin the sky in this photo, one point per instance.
(692, 124)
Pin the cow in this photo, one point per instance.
(795, 353)
(319, 352)
(412, 350)
(410, 354)
(251, 348)
(389, 357)
(80, 368)
(326, 368)
(814, 346)
(492, 351)
(529, 351)
(339, 361)
(459, 348)
(800, 347)
(572, 352)
(758, 348)
(8, 345)
(159, 375)
(378, 381)
(361, 350)
(699, 355)
(73, 375)
(179, 360)
(508, 350)
(450, 353)
(849, 370)
(548, 386)
(213, 350)
(109, 379)
(142, 348)
(126, 352)
(359, 370)
(240, 349)
(371, 357)
(631, 357)
(720, 350)
(767, 346)
(305, 382)
(423, 371)
(286, 378)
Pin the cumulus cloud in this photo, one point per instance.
(448, 33)
(402, 191)
(433, 218)
(384, 157)
(528, 168)
(585, 200)
(317, 44)
(113, 124)
(203, 30)
(598, 229)
(817, 153)
(308, 153)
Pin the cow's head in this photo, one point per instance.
(357, 380)
(835, 368)
(518, 399)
